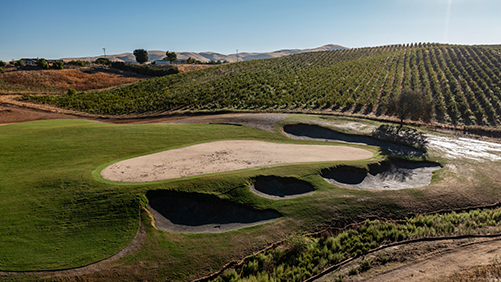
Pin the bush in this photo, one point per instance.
(71, 91)
(2, 63)
(144, 70)
(1, 69)
(103, 61)
(59, 65)
(42, 63)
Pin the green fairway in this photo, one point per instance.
(55, 215)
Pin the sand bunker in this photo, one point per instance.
(223, 156)
(398, 175)
(315, 132)
(184, 215)
(280, 188)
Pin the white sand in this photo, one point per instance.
(223, 156)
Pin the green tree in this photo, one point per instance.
(141, 55)
(190, 60)
(411, 104)
(170, 56)
(2, 63)
(42, 63)
(103, 61)
(18, 63)
(59, 65)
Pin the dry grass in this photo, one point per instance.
(58, 81)
(490, 272)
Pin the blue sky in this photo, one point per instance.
(74, 28)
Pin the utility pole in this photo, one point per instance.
(104, 50)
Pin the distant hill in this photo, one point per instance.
(207, 56)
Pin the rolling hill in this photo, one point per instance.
(207, 56)
(463, 82)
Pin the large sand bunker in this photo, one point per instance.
(209, 215)
(315, 132)
(223, 156)
(397, 175)
(280, 187)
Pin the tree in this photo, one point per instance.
(59, 65)
(141, 55)
(411, 104)
(170, 56)
(18, 63)
(190, 60)
(42, 63)
(103, 61)
(3, 64)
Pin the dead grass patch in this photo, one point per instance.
(58, 81)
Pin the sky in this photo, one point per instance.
(73, 28)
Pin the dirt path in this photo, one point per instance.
(444, 263)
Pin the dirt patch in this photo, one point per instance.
(315, 132)
(428, 261)
(58, 81)
(224, 156)
(394, 176)
(280, 188)
(209, 215)
(14, 114)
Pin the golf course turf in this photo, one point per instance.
(55, 215)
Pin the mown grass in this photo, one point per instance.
(55, 215)
(59, 215)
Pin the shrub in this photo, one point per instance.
(59, 65)
(103, 61)
(42, 63)
(1, 69)
(2, 63)
(71, 91)
(365, 265)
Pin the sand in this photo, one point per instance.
(221, 156)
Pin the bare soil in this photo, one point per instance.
(424, 261)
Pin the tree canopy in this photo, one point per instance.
(42, 63)
(102, 61)
(141, 55)
(411, 104)
(59, 65)
(170, 56)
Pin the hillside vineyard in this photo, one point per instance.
(463, 82)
